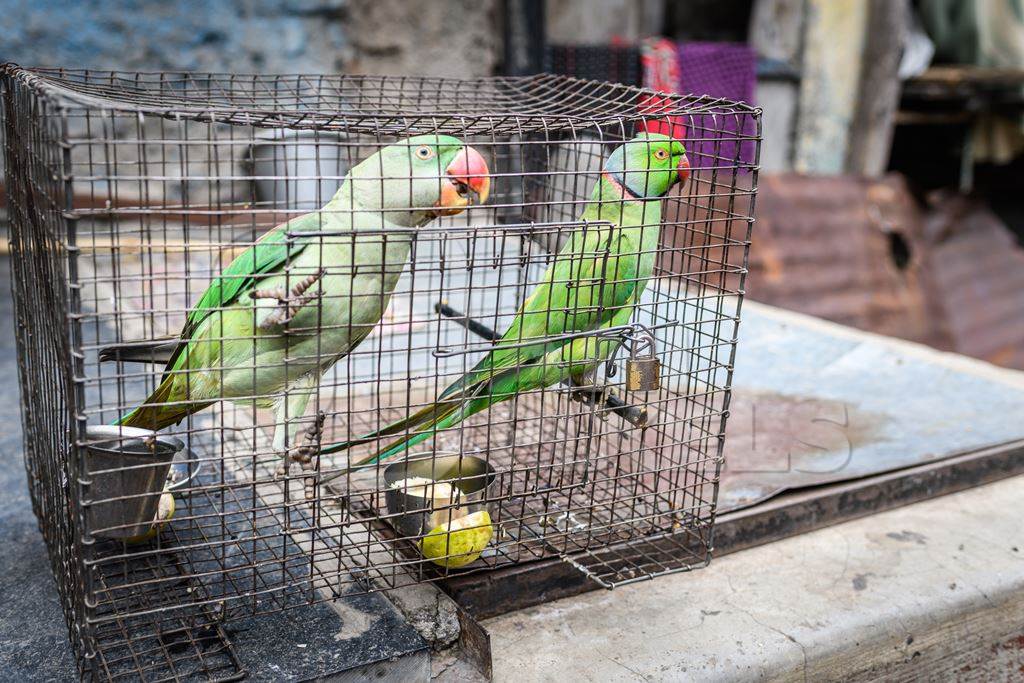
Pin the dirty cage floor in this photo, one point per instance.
(248, 542)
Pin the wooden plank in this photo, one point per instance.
(778, 99)
(776, 32)
(879, 92)
(957, 74)
(834, 41)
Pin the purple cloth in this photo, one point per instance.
(719, 70)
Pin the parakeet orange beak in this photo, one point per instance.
(467, 174)
(683, 169)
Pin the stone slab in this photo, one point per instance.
(932, 590)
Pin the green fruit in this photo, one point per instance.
(458, 543)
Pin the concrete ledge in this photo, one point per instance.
(935, 589)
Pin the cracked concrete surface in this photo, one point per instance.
(432, 613)
(932, 590)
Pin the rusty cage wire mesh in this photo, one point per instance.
(130, 192)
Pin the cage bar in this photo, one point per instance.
(129, 193)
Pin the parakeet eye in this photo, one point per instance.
(424, 152)
(661, 154)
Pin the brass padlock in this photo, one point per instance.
(643, 369)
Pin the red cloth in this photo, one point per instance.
(659, 59)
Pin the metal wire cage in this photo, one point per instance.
(129, 193)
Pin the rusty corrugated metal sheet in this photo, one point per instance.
(841, 248)
(975, 274)
(862, 253)
(846, 249)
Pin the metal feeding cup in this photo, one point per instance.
(424, 493)
(126, 470)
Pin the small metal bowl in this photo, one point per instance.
(126, 470)
(184, 472)
(416, 515)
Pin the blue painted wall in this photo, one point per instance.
(213, 35)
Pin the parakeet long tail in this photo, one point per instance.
(437, 417)
(430, 412)
(156, 413)
(155, 351)
(446, 403)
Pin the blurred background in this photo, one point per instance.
(890, 197)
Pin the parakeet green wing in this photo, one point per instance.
(592, 278)
(268, 255)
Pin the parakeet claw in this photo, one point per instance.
(310, 447)
(306, 452)
(288, 303)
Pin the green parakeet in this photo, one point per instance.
(289, 307)
(594, 283)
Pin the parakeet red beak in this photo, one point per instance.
(683, 169)
(467, 175)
